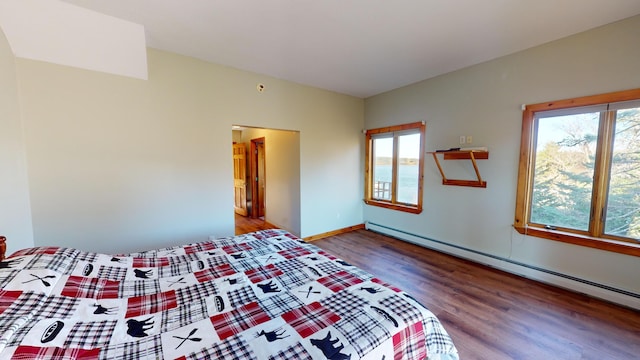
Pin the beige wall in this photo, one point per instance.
(484, 101)
(15, 213)
(282, 162)
(118, 164)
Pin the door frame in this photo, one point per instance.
(257, 207)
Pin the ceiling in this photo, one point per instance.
(358, 47)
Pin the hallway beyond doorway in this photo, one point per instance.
(246, 224)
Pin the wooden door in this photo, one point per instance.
(240, 179)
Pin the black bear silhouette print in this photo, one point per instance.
(328, 348)
(142, 274)
(138, 328)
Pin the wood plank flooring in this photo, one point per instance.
(491, 314)
(245, 224)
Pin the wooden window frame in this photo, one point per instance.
(594, 237)
(393, 203)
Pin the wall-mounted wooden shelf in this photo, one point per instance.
(462, 155)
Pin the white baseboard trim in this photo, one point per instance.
(597, 290)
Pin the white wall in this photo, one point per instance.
(15, 213)
(484, 101)
(66, 34)
(327, 169)
(282, 168)
(118, 164)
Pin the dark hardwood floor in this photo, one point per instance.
(491, 314)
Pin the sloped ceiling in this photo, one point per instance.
(355, 47)
(66, 34)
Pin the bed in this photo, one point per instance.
(262, 295)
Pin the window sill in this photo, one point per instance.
(398, 207)
(621, 247)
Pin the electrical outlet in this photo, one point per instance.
(469, 139)
(463, 139)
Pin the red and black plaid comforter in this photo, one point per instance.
(263, 295)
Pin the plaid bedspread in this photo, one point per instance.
(263, 295)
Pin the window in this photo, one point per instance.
(394, 167)
(579, 179)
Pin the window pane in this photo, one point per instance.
(382, 164)
(409, 156)
(623, 202)
(564, 168)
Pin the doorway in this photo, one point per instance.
(280, 193)
(249, 173)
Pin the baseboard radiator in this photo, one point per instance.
(602, 291)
